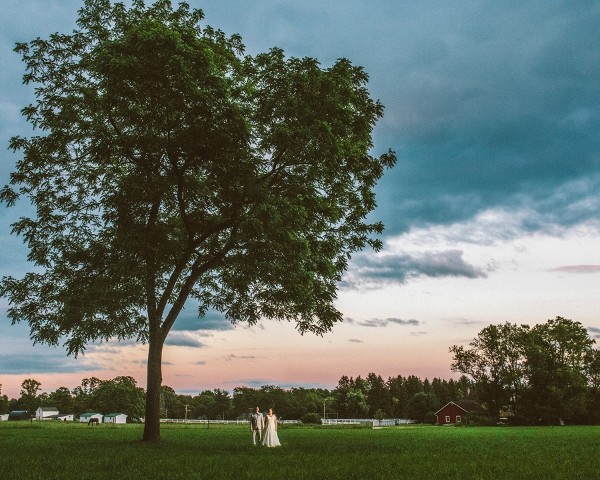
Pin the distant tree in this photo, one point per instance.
(170, 403)
(309, 400)
(205, 405)
(4, 402)
(276, 398)
(311, 418)
(187, 406)
(29, 399)
(120, 395)
(413, 385)
(593, 378)
(299, 402)
(13, 404)
(356, 405)
(245, 400)
(83, 395)
(427, 386)
(399, 397)
(378, 396)
(592, 371)
(344, 385)
(496, 362)
(30, 388)
(62, 399)
(170, 166)
(222, 403)
(557, 370)
(442, 390)
(422, 405)
(213, 404)
(543, 373)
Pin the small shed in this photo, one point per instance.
(450, 414)
(46, 413)
(86, 417)
(3, 417)
(19, 415)
(115, 418)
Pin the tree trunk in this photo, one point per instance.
(153, 388)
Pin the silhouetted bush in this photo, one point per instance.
(313, 418)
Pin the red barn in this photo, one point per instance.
(450, 414)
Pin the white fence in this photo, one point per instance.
(387, 422)
(190, 420)
(225, 422)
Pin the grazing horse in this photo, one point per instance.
(93, 421)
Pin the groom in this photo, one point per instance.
(257, 423)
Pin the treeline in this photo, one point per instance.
(119, 395)
(369, 397)
(549, 373)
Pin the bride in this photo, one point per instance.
(270, 438)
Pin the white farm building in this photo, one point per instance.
(115, 418)
(46, 413)
(86, 417)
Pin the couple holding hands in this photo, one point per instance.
(268, 423)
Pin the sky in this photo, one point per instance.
(491, 212)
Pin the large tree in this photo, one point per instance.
(542, 372)
(559, 353)
(170, 166)
(496, 362)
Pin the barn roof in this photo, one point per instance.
(114, 414)
(49, 409)
(451, 403)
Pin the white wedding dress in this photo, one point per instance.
(270, 438)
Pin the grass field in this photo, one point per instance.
(55, 450)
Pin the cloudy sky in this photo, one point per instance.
(491, 213)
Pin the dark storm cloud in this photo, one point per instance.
(488, 104)
(401, 267)
(502, 110)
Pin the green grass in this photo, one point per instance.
(54, 450)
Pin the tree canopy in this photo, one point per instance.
(541, 373)
(169, 165)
